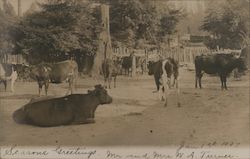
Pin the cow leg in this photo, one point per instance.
(12, 84)
(46, 87)
(71, 86)
(115, 81)
(157, 83)
(177, 92)
(40, 86)
(39, 90)
(165, 86)
(174, 82)
(200, 82)
(5, 85)
(109, 81)
(225, 82)
(13, 79)
(222, 82)
(198, 77)
(105, 82)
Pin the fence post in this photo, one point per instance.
(146, 59)
(133, 65)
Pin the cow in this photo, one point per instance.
(163, 71)
(109, 69)
(8, 72)
(140, 63)
(127, 63)
(68, 110)
(221, 64)
(46, 73)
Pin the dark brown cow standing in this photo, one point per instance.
(55, 73)
(127, 64)
(221, 64)
(71, 109)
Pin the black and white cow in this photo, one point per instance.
(163, 71)
(8, 72)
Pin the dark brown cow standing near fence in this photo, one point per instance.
(127, 64)
(55, 73)
(163, 70)
(221, 64)
(109, 69)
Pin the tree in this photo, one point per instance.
(228, 24)
(134, 23)
(8, 20)
(168, 24)
(59, 30)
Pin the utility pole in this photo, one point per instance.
(19, 8)
(104, 50)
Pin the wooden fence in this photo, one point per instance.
(14, 59)
(183, 55)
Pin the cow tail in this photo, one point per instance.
(19, 116)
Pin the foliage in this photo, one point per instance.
(168, 24)
(135, 23)
(228, 24)
(61, 29)
(8, 20)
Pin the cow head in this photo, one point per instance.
(151, 67)
(101, 94)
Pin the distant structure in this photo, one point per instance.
(191, 6)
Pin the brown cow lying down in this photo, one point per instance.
(71, 109)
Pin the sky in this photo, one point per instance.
(25, 4)
(190, 5)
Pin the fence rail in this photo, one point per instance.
(14, 59)
(185, 55)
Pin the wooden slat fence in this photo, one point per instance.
(185, 55)
(14, 59)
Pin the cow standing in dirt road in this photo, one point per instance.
(55, 73)
(221, 64)
(110, 69)
(163, 70)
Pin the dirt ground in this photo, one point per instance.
(137, 117)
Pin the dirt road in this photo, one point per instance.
(136, 117)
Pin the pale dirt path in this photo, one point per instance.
(136, 117)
